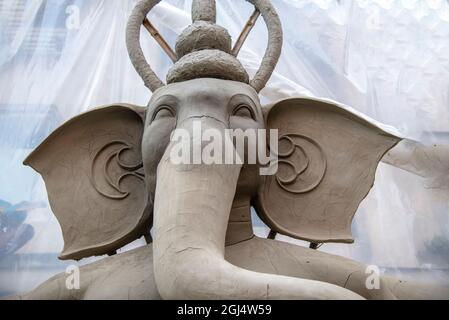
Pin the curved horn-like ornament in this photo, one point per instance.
(204, 9)
(274, 45)
(135, 52)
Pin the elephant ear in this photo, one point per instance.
(92, 168)
(327, 161)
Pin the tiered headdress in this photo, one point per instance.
(204, 49)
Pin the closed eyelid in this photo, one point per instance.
(238, 100)
(168, 102)
(166, 99)
(244, 107)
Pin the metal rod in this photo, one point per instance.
(112, 253)
(160, 40)
(315, 245)
(245, 32)
(272, 234)
(148, 238)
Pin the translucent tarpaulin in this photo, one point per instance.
(386, 59)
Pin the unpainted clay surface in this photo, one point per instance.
(327, 164)
(193, 219)
(210, 63)
(87, 165)
(203, 35)
(106, 170)
(130, 275)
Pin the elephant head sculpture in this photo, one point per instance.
(110, 177)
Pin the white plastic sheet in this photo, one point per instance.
(386, 59)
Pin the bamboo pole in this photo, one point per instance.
(245, 32)
(160, 40)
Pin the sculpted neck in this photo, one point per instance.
(239, 224)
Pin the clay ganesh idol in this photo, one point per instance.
(111, 180)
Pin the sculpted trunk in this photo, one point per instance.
(192, 206)
(109, 172)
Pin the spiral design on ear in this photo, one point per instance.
(303, 164)
(151, 80)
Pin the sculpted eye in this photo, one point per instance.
(243, 111)
(163, 112)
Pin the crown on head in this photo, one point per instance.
(204, 49)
